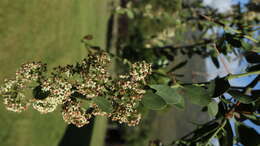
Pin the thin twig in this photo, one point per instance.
(229, 77)
(221, 59)
(215, 133)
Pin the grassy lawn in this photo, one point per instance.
(49, 31)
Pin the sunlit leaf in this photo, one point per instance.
(246, 45)
(130, 14)
(170, 95)
(213, 108)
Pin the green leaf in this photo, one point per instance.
(211, 88)
(197, 95)
(153, 101)
(86, 104)
(251, 117)
(213, 108)
(181, 103)
(242, 97)
(170, 95)
(130, 14)
(246, 45)
(256, 49)
(215, 61)
(159, 78)
(121, 11)
(103, 104)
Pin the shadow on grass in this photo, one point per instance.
(75, 136)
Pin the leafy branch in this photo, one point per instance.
(83, 90)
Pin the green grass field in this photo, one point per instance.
(49, 31)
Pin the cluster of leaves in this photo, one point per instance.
(152, 24)
(83, 90)
(153, 34)
(226, 104)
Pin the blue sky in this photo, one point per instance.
(223, 5)
(230, 64)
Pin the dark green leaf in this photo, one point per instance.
(253, 68)
(241, 97)
(213, 108)
(252, 57)
(78, 95)
(221, 86)
(227, 139)
(246, 45)
(204, 109)
(103, 104)
(206, 131)
(215, 61)
(170, 95)
(256, 93)
(251, 117)
(247, 108)
(153, 101)
(211, 88)
(248, 136)
(233, 40)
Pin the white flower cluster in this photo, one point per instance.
(14, 100)
(31, 71)
(45, 106)
(139, 71)
(72, 85)
(73, 113)
(129, 89)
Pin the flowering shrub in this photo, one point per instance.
(83, 90)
